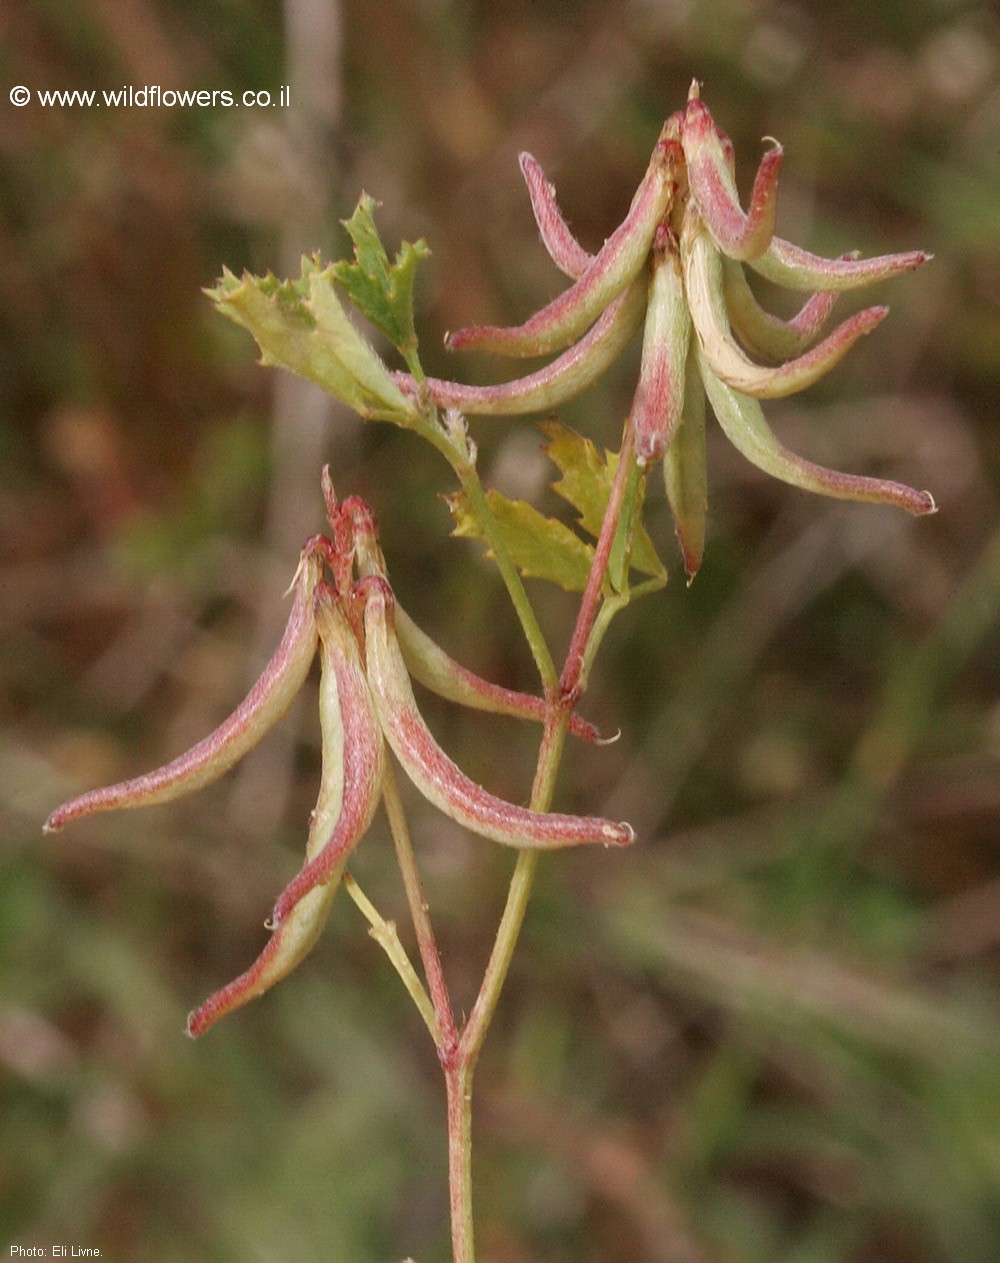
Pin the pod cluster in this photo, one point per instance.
(344, 609)
(676, 267)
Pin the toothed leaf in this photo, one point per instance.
(541, 547)
(383, 291)
(301, 325)
(586, 484)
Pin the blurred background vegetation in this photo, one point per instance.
(769, 1033)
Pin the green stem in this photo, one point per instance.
(587, 635)
(458, 1083)
(612, 606)
(518, 896)
(459, 451)
(473, 488)
(387, 936)
(426, 942)
(459, 1054)
(459, 1073)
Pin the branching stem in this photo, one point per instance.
(459, 1050)
(590, 628)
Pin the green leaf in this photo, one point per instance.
(383, 291)
(540, 547)
(586, 484)
(301, 325)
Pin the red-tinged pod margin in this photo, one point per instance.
(425, 659)
(739, 234)
(563, 248)
(562, 379)
(427, 662)
(434, 773)
(766, 334)
(794, 268)
(659, 396)
(294, 938)
(614, 267)
(348, 716)
(742, 420)
(703, 277)
(263, 706)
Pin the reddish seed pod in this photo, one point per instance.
(564, 249)
(427, 662)
(434, 773)
(703, 277)
(659, 396)
(339, 815)
(794, 268)
(350, 723)
(566, 376)
(739, 234)
(263, 706)
(742, 420)
(613, 269)
(763, 333)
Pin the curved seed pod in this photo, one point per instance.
(737, 234)
(572, 372)
(742, 420)
(430, 769)
(797, 269)
(427, 662)
(764, 333)
(348, 715)
(685, 473)
(616, 265)
(659, 396)
(703, 278)
(285, 949)
(263, 706)
(564, 249)
(295, 936)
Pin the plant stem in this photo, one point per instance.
(572, 679)
(518, 894)
(458, 1075)
(458, 1083)
(587, 634)
(473, 488)
(387, 936)
(459, 1054)
(460, 453)
(417, 901)
(457, 1070)
(612, 606)
(548, 764)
